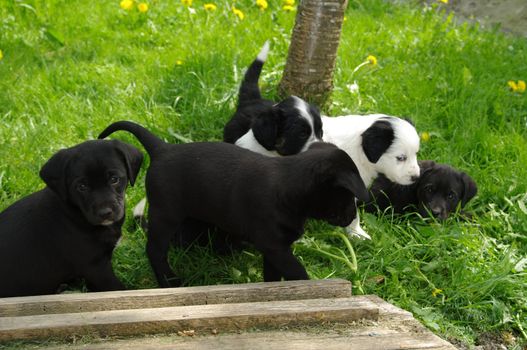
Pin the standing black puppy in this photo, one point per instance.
(438, 191)
(69, 229)
(258, 199)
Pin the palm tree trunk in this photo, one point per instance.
(309, 68)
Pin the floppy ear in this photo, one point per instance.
(353, 183)
(265, 128)
(469, 189)
(377, 139)
(54, 172)
(133, 159)
(425, 166)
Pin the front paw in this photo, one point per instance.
(357, 232)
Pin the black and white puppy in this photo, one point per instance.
(269, 128)
(69, 229)
(438, 192)
(377, 143)
(258, 199)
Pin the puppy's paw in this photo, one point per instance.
(357, 232)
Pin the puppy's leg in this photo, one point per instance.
(160, 230)
(282, 263)
(100, 277)
(354, 229)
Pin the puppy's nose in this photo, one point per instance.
(105, 213)
(439, 213)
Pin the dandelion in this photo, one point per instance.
(372, 60)
(1, 55)
(520, 86)
(425, 136)
(142, 7)
(187, 3)
(512, 85)
(126, 4)
(238, 13)
(209, 7)
(262, 4)
(289, 2)
(345, 18)
(179, 62)
(436, 291)
(288, 8)
(444, 1)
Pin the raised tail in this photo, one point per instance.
(249, 89)
(149, 141)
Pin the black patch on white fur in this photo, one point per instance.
(377, 139)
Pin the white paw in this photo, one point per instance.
(357, 232)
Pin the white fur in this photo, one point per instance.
(303, 107)
(262, 55)
(248, 141)
(345, 132)
(139, 209)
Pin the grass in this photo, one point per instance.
(71, 68)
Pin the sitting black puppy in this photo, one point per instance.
(439, 190)
(69, 229)
(262, 200)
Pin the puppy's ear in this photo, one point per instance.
(54, 172)
(353, 182)
(469, 189)
(132, 157)
(265, 128)
(426, 166)
(377, 139)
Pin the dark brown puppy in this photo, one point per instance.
(69, 229)
(262, 200)
(438, 192)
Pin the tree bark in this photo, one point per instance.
(313, 50)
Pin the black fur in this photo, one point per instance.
(276, 126)
(56, 235)
(439, 191)
(262, 200)
(377, 139)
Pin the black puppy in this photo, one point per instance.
(270, 128)
(439, 191)
(69, 229)
(262, 200)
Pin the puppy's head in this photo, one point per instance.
(92, 177)
(441, 189)
(337, 183)
(391, 144)
(288, 127)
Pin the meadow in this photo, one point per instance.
(68, 69)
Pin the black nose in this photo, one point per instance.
(414, 178)
(105, 213)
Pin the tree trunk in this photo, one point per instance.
(309, 68)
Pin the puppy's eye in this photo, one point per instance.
(429, 189)
(451, 196)
(82, 187)
(114, 180)
(401, 158)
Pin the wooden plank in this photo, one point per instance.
(152, 298)
(198, 317)
(388, 311)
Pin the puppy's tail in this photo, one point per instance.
(249, 89)
(149, 141)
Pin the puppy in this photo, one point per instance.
(263, 126)
(377, 143)
(69, 229)
(438, 192)
(262, 200)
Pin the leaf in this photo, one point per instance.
(54, 37)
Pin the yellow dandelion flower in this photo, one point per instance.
(1, 54)
(142, 7)
(187, 3)
(345, 18)
(289, 2)
(436, 291)
(444, 1)
(126, 4)
(238, 13)
(288, 8)
(425, 136)
(372, 59)
(210, 7)
(262, 4)
(512, 84)
(521, 86)
(179, 62)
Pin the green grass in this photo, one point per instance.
(71, 68)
